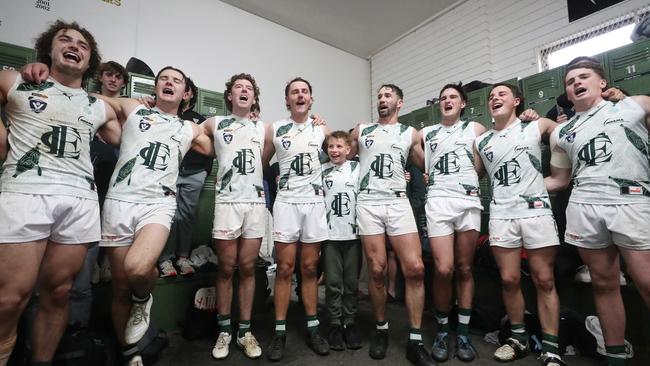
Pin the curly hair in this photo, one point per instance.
(230, 83)
(43, 46)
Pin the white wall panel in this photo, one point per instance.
(488, 40)
(211, 41)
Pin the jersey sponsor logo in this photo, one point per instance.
(301, 164)
(382, 166)
(244, 161)
(489, 155)
(286, 143)
(145, 124)
(596, 151)
(341, 204)
(368, 143)
(155, 156)
(508, 173)
(433, 146)
(227, 137)
(608, 121)
(447, 164)
(329, 183)
(37, 105)
(63, 142)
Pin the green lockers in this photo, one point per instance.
(405, 119)
(139, 85)
(14, 57)
(629, 67)
(210, 103)
(476, 108)
(423, 117)
(540, 90)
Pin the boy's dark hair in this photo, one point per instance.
(231, 82)
(460, 91)
(195, 93)
(516, 93)
(394, 88)
(113, 67)
(43, 46)
(286, 88)
(339, 135)
(585, 62)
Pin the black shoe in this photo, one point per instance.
(318, 344)
(275, 351)
(440, 348)
(379, 344)
(465, 351)
(352, 339)
(335, 338)
(416, 353)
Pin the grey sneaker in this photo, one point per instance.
(440, 348)
(465, 351)
(185, 266)
(166, 269)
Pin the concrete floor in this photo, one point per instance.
(182, 352)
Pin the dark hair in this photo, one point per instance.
(180, 106)
(112, 67)
(286, 88)
(585, 62)
(460, 91)
(516, 93)
(256, 108)
(339, 135)
(43, 46)
(231, 82)
(394, 88)
(190, 86)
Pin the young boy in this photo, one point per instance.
(343, 249)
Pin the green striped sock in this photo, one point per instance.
(519, 332)
(280, 327)
(224, 323)
(464, 316)
(550, 343)
(616, 355)
(443, 321)
(244, 326)
(312, 323)
(415, 335)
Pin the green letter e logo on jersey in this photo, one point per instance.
(301, 164)
(597, 150)
(382, 166)
(63, 142)
(244, 162)
(341, 204)
(447, 164)
(155, 156)
(508, 173)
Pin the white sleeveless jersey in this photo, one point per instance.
(340, 184)
(50, 129)
(239, 143)
(512, 159)
(298, 147)
(609, 152)
(383, 151)
(449, 161)
(153, 145)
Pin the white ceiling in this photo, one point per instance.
(360, 27)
